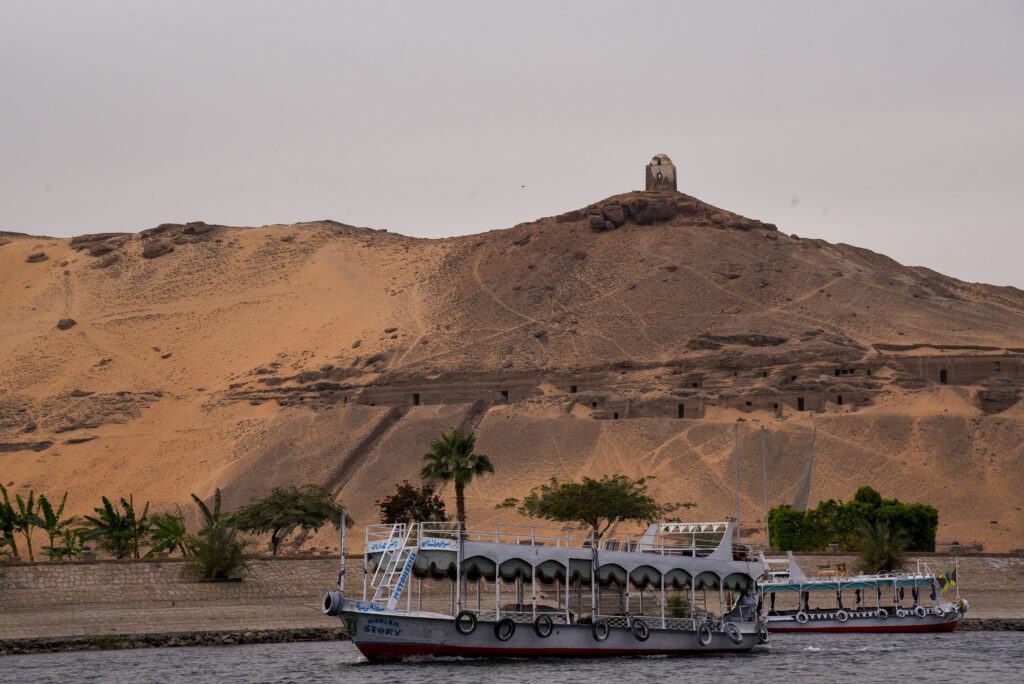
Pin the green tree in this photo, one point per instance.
(27, 519)
(8, 518)
(53, 522)
(597, 503)
(832, 520)
(167, 533)
(452, 459)
(421, 505)
(72, 547)
(881, 547)
(217, 552)
(119, 534)
(309, 507)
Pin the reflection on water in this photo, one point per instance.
(957, 657)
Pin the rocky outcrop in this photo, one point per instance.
(36, 258)
(997, 394)
(99, 244)
(658, 206)
(156, 248)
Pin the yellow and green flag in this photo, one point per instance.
(947, 579)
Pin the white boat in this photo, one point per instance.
(676, 589)
(885, 602)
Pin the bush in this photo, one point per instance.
(218, 553)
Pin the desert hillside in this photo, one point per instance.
(629, 336)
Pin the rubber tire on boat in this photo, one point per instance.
(801, 617)
(734, 633)
(333, 600)
(939, 611)
(601, 629)
(704, 634)
(543, 626)
(901, 613)
(762, 633)
(882, 613)
(842, 616)
(639, 629)
(919, 611)
(462, 628)
(501, 626)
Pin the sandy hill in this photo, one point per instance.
(629, 336)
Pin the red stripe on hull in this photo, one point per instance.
(937, 627)
(377, 651)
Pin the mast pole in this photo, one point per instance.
(341, 570)
(764, 473)
(736, 442)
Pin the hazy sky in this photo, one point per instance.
(896, 126)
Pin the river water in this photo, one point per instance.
(960, 657)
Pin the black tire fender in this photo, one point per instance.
(762, 633)
(639, 629)
(465, 622)
(704, 634)
(504, 629)
(543, 626)
(601, 629)
(733, 632)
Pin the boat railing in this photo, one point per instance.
(680, 539)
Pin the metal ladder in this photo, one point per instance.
(397, 563)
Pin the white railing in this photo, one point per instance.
(678, 539)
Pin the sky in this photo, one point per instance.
(897, 126)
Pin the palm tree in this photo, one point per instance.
(881, 547)
(168, 533)
(52, 521)
(8, 518)
(26, 518)
(118, 533)
(452, 459)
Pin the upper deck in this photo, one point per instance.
(690, 549)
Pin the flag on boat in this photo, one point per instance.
(947, 579)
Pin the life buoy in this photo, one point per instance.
(919, 611)
(704, 634)
(882, 613)
(801, 617)
(465, 622)
(504, 629)
(733, 632)
(901, 613)
(543, 626)
(640, 629)
(842, 616)
(601, 629)
(762, 633)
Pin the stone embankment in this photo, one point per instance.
(168, 639)
(115, 604)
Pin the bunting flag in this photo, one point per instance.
(947, 579)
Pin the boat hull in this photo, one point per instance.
(929, 623)
(382, 637)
